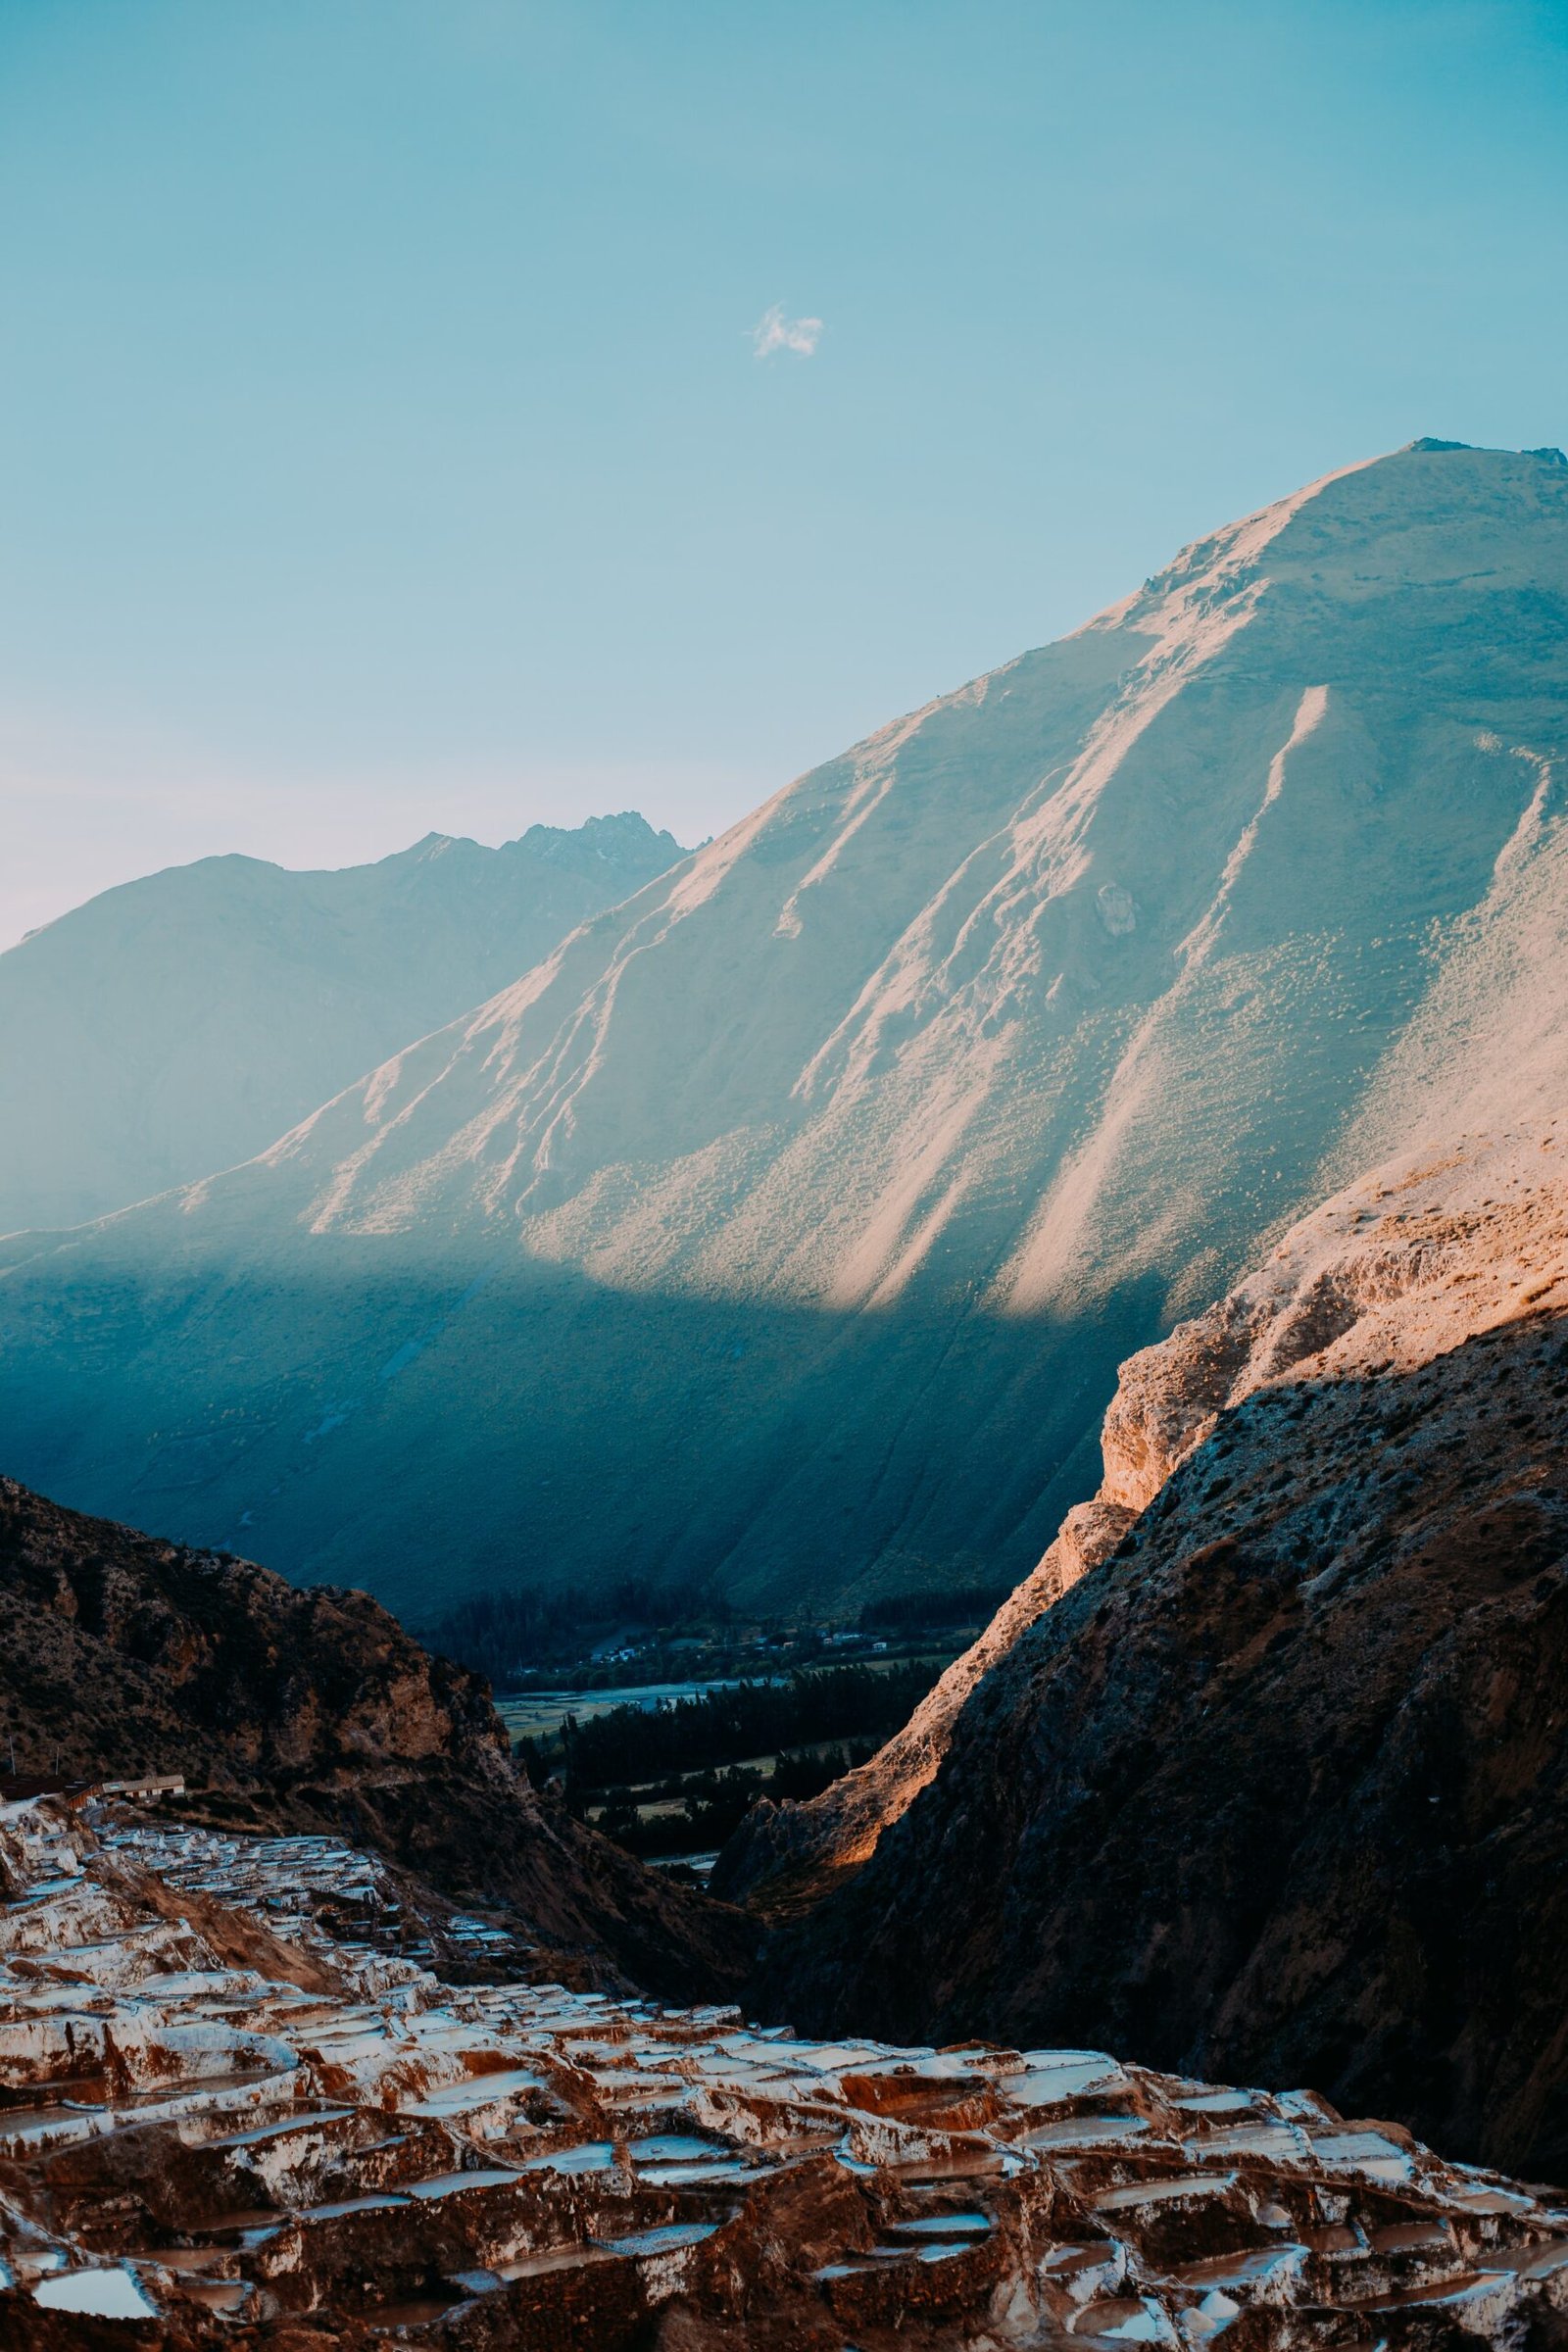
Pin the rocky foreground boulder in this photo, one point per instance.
(302, 1710)
(1279, 1789)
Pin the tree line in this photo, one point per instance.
(630, 1745)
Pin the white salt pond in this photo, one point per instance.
(1110, 2204)
(113, 2293)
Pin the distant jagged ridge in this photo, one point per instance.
(180, 1023)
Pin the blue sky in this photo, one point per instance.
(383, 443)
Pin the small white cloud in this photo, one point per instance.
(774, 332)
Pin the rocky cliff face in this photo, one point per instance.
(120, 1655)
(783, 1232)
(1280, 1789)
(784, 1857)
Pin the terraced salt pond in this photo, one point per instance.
(516, 2164)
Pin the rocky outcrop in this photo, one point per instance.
(785, 1856)
(297, 1710)
(1168, 1400)
(1280, 1789)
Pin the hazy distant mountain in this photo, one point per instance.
(785, 1229)
(180, 1023)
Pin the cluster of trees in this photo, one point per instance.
(504, 1635)
(915, 1612)
(632, 1744)
(511, 1636)
(715, 1803)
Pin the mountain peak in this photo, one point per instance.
(1427, 445)
(782, 1232)
(623, 837)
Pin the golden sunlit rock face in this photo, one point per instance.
(1277, 1787)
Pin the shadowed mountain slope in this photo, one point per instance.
(180, 1023)
(296, 1711)
(1280, 1789)
(783, 1232)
